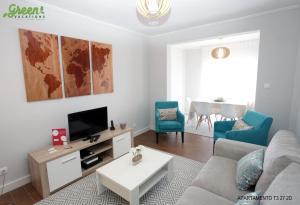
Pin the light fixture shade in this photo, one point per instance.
(153, 12)
(220, 52)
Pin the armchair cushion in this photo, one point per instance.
(169, 125)
(241, 125)
(168, 114)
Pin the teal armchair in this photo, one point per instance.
(258, 135)
(165, 125)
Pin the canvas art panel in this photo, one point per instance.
(40, 56)
(102, 68)
(76, 66)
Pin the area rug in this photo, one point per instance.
(84, 191)
(202, 130)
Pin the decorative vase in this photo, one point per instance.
(137, 159)
(123, 126)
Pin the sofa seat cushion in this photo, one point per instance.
(169, 125)
(283, 150)
(197, 196)
(218, 176)
(286, 187)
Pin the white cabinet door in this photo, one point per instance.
(63, 170)
(121, 144)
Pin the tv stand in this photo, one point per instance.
(86, 138)
(52, 172)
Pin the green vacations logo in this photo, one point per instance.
(24, 12)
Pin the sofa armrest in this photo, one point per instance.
(234, 149)
(223, 126)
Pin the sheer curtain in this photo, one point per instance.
(233, 78)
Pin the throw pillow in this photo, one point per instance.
(249, 199)
(249, 169)
(168, 114)
(241, 125)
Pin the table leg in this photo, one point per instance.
(134, 198)
(170, 170)
(100, 187)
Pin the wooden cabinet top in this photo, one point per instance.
(43, 155)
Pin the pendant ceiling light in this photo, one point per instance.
(220, 52)
(153, 12)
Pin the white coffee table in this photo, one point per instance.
(132, 182)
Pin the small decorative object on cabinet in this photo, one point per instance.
(123, 125)
(137, 154)
(58, 136)
(52, 170)
(112, 127)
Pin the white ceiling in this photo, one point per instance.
(219, 40)
(184, 13)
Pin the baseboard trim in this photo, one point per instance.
(141, 131)
(151, 127)
(16, 183)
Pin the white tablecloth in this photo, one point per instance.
(216, 108)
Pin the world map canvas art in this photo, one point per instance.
(76, 64)
(41, 65)
(102, 68)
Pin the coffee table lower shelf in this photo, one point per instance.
(135, 185)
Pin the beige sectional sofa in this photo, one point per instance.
(215, 184)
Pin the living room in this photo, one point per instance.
(139, 79)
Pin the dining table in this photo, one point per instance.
(217, 108)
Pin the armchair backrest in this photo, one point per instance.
(165, 104)
(258, 120)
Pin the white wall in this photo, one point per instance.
(176, 77)
(193, 73)
(279, 32)
(295, 112)
(295, 106)
(208, 78)
(25, 127)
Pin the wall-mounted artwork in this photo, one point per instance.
(76, 63)
(41, 65)
(102, 68)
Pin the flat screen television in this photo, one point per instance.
(87, 123)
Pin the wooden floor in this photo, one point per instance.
(195, 147)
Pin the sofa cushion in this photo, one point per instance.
(286, 187)
(218, 176)
(198, 196)
(169, 125)
(283, 149)
(252, 198)
(249, 169)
